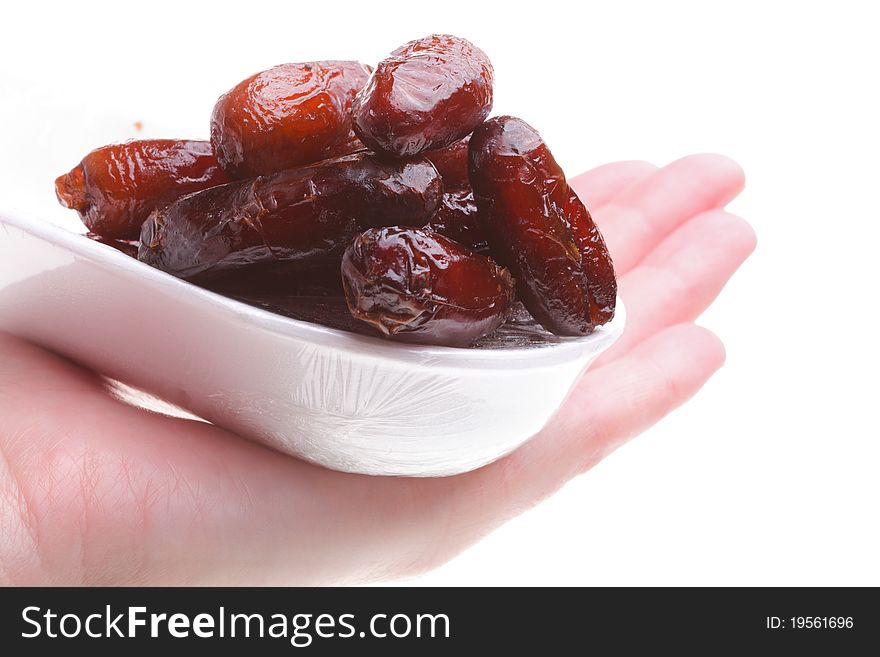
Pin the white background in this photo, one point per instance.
(770, 475)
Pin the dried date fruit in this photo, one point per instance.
(278, 281)
(426, 95)
(302, 216)
(452, 164)
(416, 285)
(352, 144)
(457, 219)
(115, 188)
(595, 258)
(538, 227)
(286, 116)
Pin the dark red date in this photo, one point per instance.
(457, 218)
(300, 216)
(416, 285)
(278, 281)
(428, 94)
(286, 116)
(352, 144)
(595, 258)
(538, 227)
(452, 164)
(115, 188)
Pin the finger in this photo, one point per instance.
(620, 400)
(598, 186)
(610, 405)
(642, 215)
(678, 280)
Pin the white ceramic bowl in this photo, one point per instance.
(346, 401)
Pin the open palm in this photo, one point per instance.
(95, 491)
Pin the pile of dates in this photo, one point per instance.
(389, 186)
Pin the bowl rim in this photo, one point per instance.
(566, 350)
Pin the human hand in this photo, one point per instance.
(96, 491)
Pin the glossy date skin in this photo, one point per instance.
(115, 188)
(595, 259)
(426, 95)
(352, 144)
(286, 116)
(538, 227)
(452, 163)
(299, 217)
(416, 285)
(457, 218)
